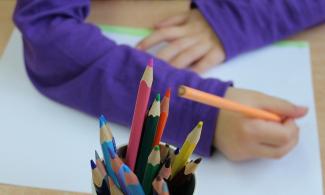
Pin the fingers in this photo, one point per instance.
(172, 21)
(175, 47)
(190, 55)
(213, 57)
(283, 107)
(275, 134)
(286, 141)
(165, 34)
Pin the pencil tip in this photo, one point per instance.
(181, 90)
(156, 148)
(150, 62)
(198, 160)
(167, 93)
(92, 164)
(102, 120)
(176, 151)
(158, 97)
(96, 155)
(200, 124)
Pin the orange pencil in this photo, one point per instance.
(219, 102)
(164, 109)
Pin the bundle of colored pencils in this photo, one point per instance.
(148, 166)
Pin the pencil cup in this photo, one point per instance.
(173, 190)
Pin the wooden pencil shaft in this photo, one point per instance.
(147, 137)
(139, 115)
(218, 102)
(187, 149)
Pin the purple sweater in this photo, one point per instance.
(71, 62)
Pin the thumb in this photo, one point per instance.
(283, 107)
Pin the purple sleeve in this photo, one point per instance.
(243, 25)
(71, 62)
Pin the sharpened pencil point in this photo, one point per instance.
(102, 120)
(156, 148)
(200, 124)
(96, 155)
(181, 90)
(167, 94)
(92, 164)
(176, 151)
(198, 160)
(158, 97)
(150, 62)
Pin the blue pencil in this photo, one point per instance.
(132, 182)
(103, 121)
(98, 180)
(106, 141)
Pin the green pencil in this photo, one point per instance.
(147, 137)
(151, 170)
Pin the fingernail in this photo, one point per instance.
(301, 109)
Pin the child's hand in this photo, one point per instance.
(192, 42)
(241, 138)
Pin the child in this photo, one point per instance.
(71, 62)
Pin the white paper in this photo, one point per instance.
(45, 144)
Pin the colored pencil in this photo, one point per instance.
(219, 102)
(98, 180)
(160, 186)
(151, 170)
(164, 110)
(103, 121)
(148, 134)
(100, 164)
(164, 153)
(173, 155)
(132, 182)
(165, 190)
(166, 170)
(113, 188)
(184, 175)
(117, 166)
(187, 149)
(106, 140)
(139, 115)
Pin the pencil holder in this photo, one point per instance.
(187, 189)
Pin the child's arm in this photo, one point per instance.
(240, 26)
(74, 64)
(248, 24)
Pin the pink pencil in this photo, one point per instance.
(139, 115)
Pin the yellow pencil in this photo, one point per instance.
(187, 149)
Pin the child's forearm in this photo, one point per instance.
(245, 25)
(73, 63)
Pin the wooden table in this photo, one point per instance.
(117, 12)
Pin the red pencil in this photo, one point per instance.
(163, 118)
(139, 115)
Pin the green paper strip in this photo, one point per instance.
(298, 44)
(143, 32)
(126, 30)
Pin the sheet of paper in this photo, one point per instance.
(45, 144)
